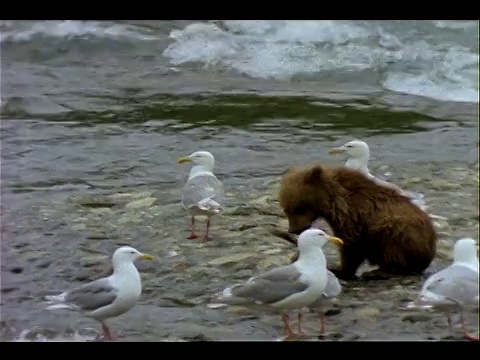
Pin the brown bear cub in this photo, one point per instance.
(375, 223)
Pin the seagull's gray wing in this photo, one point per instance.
(414, 198)
(333, 287)
(390, 185)
(202, 187)
(332, 290)
(93, 295)
(456, 283)
(270, 287)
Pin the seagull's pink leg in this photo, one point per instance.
(465, 331)
(206, 237)
(299, 325)
(107, 334)
(322, 324)
(288, 330)
(192, 232)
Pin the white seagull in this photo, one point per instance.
(203, 193)
(358, 155)
(289, 287)
(456, 286)
(107, 297)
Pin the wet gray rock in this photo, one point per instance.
(79, 227)
(273, 261)
(414, 318)
(224, 260)
(442, 184)
(140, 203)
(187, 274)
(93, 260)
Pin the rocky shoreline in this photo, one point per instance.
(71, 241)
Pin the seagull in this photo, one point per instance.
(203, 193)
(358, 154)
(106, 297)
(289, 287)
(454, 287)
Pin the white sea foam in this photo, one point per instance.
(435, 59)
(416, 58)
(454, 24)
(70, 29)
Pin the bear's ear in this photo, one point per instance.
(314, 175)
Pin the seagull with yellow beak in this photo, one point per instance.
(203, 194)
(290, 287)
(358, 154)
(107, 297)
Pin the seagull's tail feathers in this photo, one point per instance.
(55, 302)
(427, 300)
(56, 298)
(216, 305)
(219, 300)
(417, 305)
(58, 306)
(208, 204)
(227, 296)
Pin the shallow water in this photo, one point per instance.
(90, 110)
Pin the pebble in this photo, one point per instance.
(272, 261)
(367, 313)
(79, 227)
(136, 204)
(92, 260)
(273, 251)
(230, 259)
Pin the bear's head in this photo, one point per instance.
(304, 196)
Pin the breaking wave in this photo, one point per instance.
(423, 58)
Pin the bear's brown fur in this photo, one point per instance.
(375, 222)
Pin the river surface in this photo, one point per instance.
(98, 113)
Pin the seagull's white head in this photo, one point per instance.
(315, 238)
(465, 251)
(127, 254)
(356, 149)
(202, 158)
